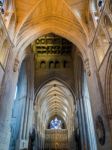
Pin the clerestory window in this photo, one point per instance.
(2, 6)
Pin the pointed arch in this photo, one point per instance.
(48, 16)
(58, 79)
(54, 99)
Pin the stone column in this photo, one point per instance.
(7, 92)
(96, 96)
(27, 113)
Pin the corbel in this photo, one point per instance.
(87, 67)
(16, 65)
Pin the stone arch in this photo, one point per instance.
(22, 53)
(53, 19)
(42, 64)
(51, 64)
(59, 101)
(57, 64)
(51, 78)
(53, 25)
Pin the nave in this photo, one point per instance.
(56, 75)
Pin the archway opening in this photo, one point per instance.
(54, 115)
(61, 117)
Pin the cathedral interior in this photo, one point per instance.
(56, 75)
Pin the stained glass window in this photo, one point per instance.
(56, 124)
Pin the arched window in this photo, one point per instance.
(2, 6)
(42, 65)
(94, 12)
(65, 64)
(51, 65)
(57, 64)
(56, 124)
(100, 4)
(96, 7)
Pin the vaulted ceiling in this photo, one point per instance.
(55, 99)
(67, 18)
(78, 7)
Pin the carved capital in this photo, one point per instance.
(16, 65)
(87, 67)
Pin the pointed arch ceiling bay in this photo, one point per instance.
(33, 15)
(55, 99)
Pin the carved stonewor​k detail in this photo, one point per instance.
(87, 67)
(16, 65)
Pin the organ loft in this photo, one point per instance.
(56, 75)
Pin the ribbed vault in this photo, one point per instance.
(48, 16)
(55, 99)
(31, 19)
